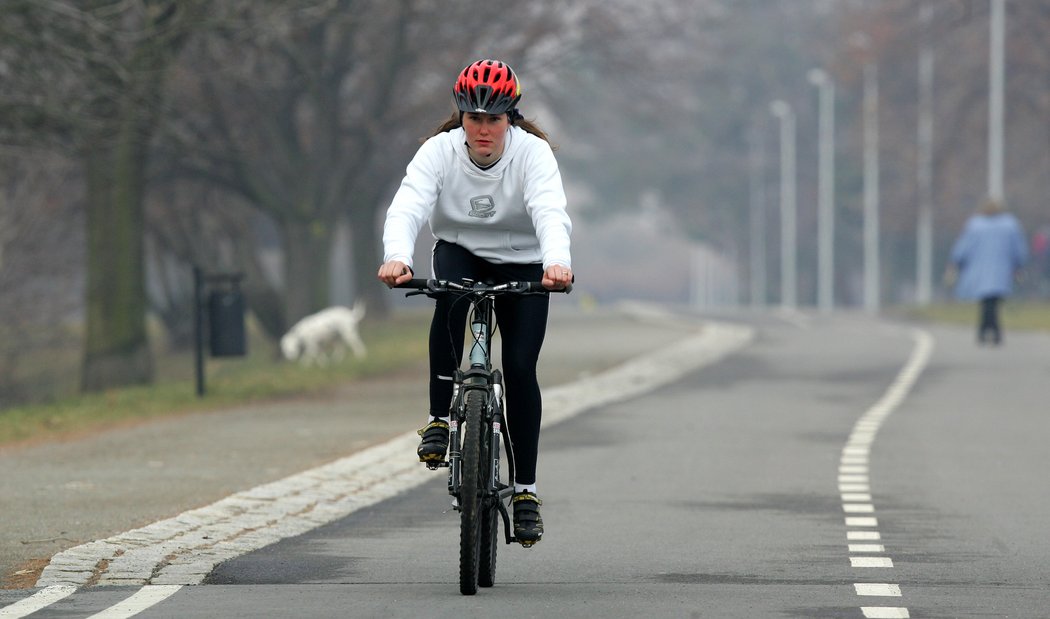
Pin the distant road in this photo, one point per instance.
(835, 467)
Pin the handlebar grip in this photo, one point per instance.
(539, 287)
(416, 283)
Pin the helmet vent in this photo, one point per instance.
(488, 86)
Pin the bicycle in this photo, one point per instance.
(476, 428)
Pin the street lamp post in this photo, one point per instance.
(758, 217)
(826, 190)
(996, 69)
(924, 236)
(871, 187)
(862, 42)
(788, 216)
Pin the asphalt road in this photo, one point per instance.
(835, 467)
(57, 495)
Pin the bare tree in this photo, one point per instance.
(310, 113)
(89, 77)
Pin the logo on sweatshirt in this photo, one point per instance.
(482, 206)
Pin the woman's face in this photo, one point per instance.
(486, 134)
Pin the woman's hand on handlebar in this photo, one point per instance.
(394, 272)
(557, 277)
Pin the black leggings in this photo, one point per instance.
(988, 320)
(522, 323)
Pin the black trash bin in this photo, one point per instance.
(226, 323)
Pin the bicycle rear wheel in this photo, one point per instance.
(473, 482)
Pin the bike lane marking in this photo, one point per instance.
(184, 549)
(855, 484)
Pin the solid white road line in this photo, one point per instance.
(41, 599)
(148, 596)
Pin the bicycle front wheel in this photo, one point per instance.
(472, 486)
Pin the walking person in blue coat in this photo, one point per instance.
(985, 259)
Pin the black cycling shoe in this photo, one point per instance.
(528, 526)
(435, 442)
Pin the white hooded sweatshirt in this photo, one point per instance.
(513, 212)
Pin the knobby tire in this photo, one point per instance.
(490, 521)
(473, 480)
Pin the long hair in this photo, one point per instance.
(455, 121)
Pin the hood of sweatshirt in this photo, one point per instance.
(511, 146)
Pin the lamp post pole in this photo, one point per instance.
(758, 217)
(996, 68)
(788, 215)
(924, 236)
(871, 187)
(825, 190)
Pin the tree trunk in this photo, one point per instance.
(115, 152)
(307, 250)
(116, 349)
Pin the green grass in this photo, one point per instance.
(260, 375)
(1015, 314)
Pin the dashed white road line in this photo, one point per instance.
(183, 550)
(861, 521)
(858, 508)
(870, 562)
(854, 488)
(878, 589)
(854, 484)
(863, 535)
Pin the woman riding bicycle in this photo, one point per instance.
(489, 184)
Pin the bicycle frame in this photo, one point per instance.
(480, 375)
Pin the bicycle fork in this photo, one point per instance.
(492, 430)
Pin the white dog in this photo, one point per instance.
(323, 337)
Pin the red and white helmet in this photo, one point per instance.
(488, 87)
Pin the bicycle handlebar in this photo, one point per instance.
(438, 286)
